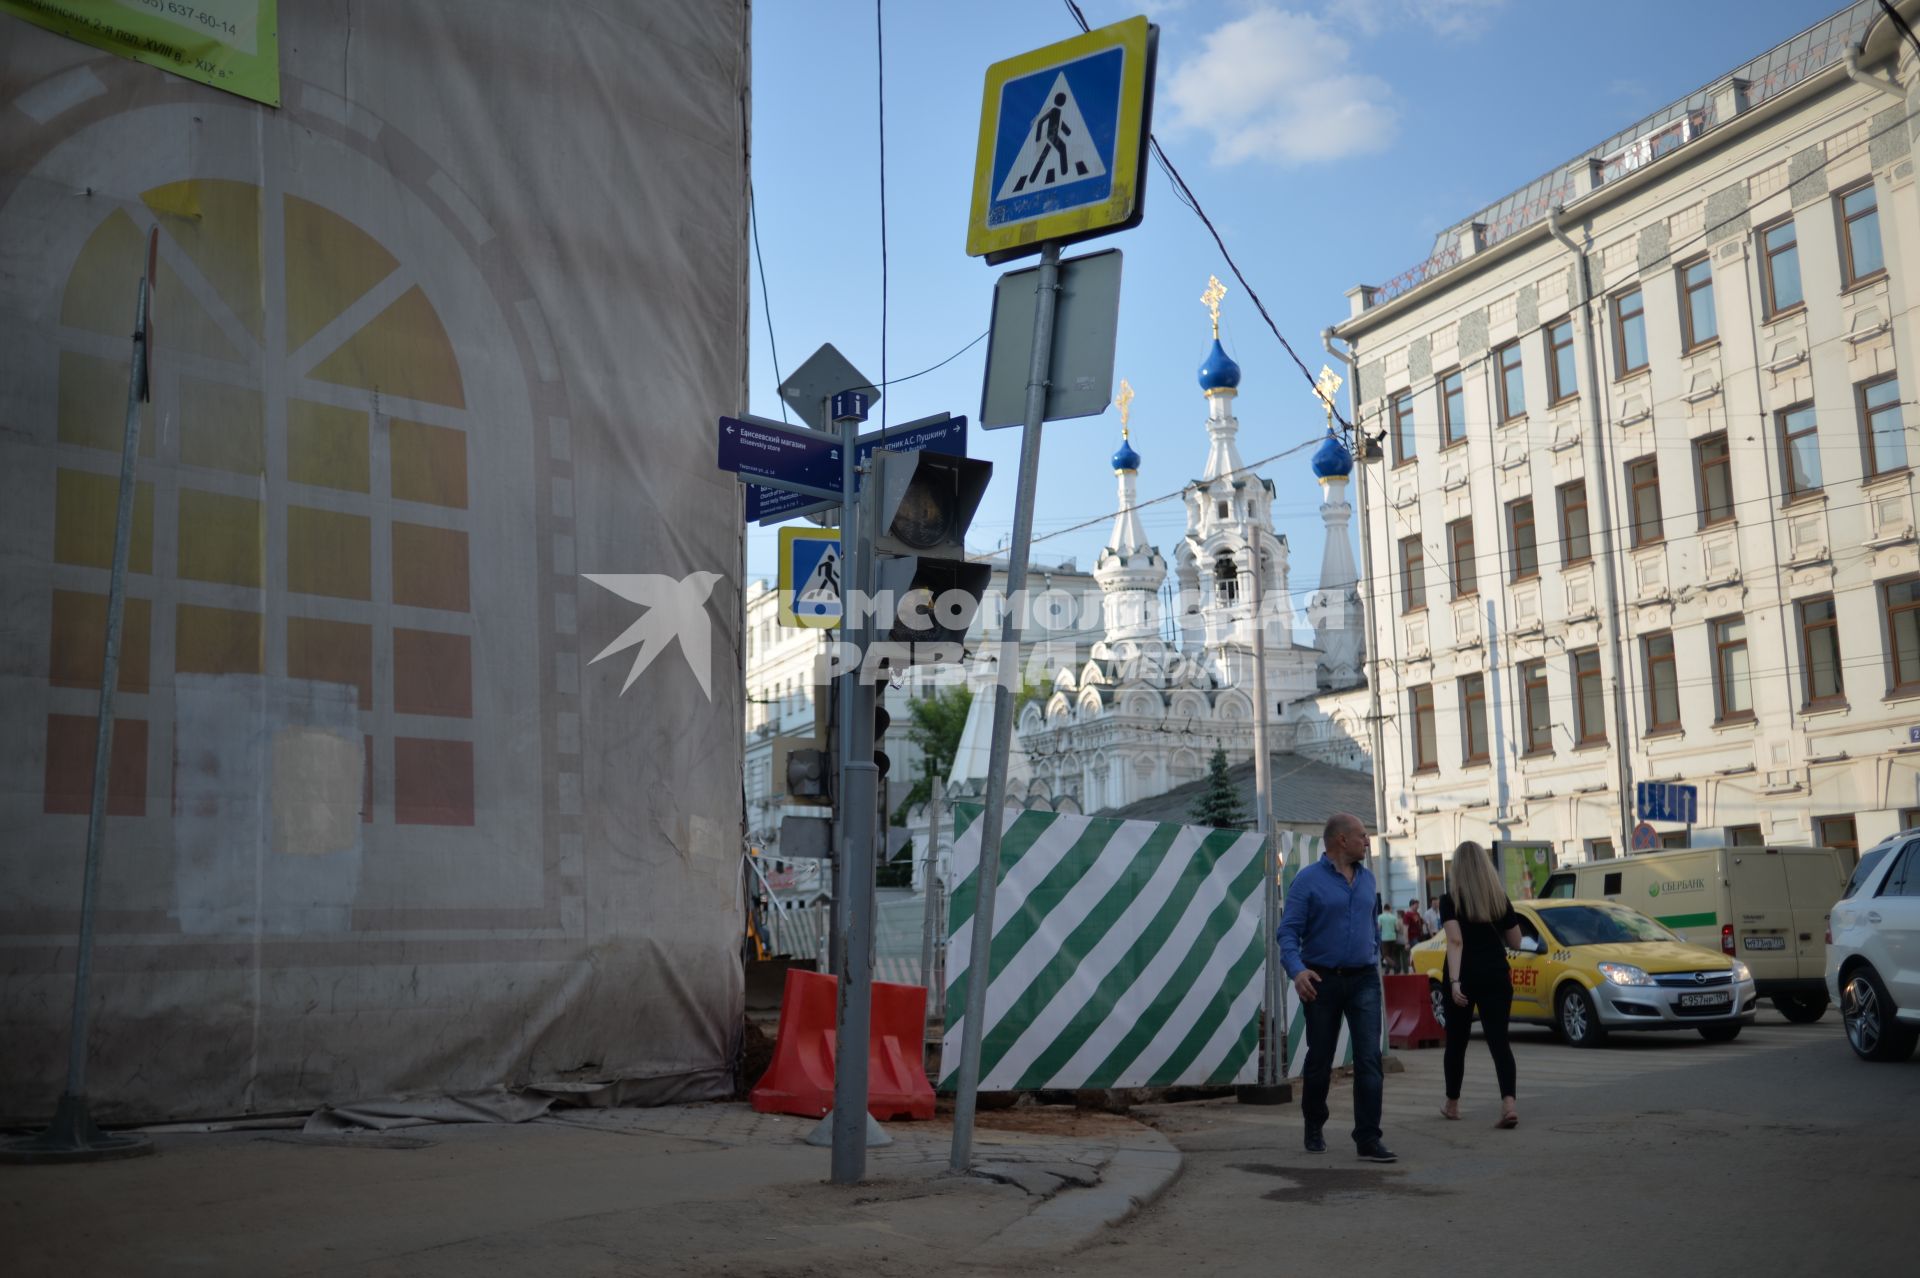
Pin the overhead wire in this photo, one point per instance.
(1901, 22)
(766, 303)
(880, 50)
(1186, 196)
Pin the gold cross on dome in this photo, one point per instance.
(1215, 291)
(1329, 383)
(1125, 400)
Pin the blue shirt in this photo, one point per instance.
(1329, 922)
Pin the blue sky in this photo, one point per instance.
(1329, 142)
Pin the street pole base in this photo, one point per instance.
(72, 1138)
(1264, 1093)
(822, 1135)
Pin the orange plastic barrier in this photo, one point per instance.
(800, 1080)
(1410, 1020)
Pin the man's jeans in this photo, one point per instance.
(1356, 995)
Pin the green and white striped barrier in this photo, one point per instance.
(1125, 954)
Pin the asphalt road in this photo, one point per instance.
(1779, 1153)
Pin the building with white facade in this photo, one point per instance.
(1646, 509)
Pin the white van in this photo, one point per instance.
(1766, 906)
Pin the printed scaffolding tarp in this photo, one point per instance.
(437, 337)
(1125, 954)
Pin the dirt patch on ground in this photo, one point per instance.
(1318, 1184)
(756, 1055)
(1044, 1120)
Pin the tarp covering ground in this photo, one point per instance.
(435, 339)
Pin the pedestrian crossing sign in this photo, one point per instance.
(1063, 134)
(809, 577)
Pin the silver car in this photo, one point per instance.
(1873, 951)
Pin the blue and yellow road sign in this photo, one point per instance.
(810, 577)
(1063, 133)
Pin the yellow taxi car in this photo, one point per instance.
(1588, 968)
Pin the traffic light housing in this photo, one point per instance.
(925, 501)
(810, 776)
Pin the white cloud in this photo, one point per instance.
(1277, 85)
(1442, 17)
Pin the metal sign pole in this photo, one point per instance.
(72, 1136)
(860, 778)
(1270, 1077)
(1007, 672)
(936, 803)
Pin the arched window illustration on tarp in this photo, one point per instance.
(317, 504)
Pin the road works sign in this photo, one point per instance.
(810, 577)
(1063, 135)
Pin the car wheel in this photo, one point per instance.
(1719, 1033)
(1868, 1013)
(1576, 1020)
(1438, 994)
(1801, 1009)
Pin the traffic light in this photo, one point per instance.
(810, 776)
(925, 502)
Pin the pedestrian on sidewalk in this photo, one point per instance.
(1390, 947)
(1416, 926)
(1331, 949)
(1481, 927)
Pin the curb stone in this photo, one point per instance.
(1140, 1171)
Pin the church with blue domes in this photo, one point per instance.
(1170, 679)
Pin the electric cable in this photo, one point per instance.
(1901, 22)
(1186, 196)
(880, 50)
(766, 303)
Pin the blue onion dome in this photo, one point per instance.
(1219, 372)
(1126, 458)
(1332, 460)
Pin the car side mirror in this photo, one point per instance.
(1531, 945)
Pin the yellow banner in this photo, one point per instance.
(230, 44)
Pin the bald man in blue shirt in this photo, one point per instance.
(1331, 948)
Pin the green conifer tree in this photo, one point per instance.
(1218, 805)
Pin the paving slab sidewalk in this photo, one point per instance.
(689, 1189)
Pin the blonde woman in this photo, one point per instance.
(1481, 927)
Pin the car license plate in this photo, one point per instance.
(1764, 942)
(1718, 998)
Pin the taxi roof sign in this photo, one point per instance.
(1063, 142)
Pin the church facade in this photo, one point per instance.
(1143, 713)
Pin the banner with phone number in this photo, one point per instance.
(232, 45)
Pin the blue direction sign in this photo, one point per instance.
(788, 454)
(940, 434)
(1666, 801)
